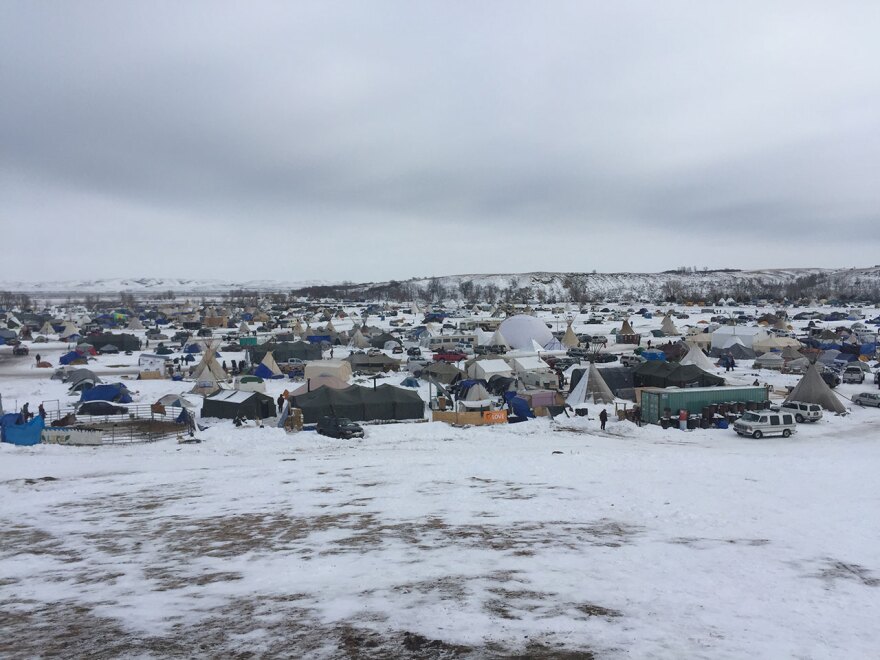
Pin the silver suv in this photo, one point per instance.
(765, 422)
(803, 412)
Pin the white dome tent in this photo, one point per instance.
(521, 331)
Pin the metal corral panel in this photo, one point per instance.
(656, 399)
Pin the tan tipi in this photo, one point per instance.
(208, 374)
(570, 340)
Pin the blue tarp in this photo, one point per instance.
(67, 358)
(317, 339)
(115, 392)
(264, 372)
(653, 354)
(518, 405)
(21, 434)
(193, 348)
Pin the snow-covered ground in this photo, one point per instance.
(541, 536)
(544, 539)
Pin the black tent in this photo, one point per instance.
(283, 351)
(655, 373)
(378, 341)
(229, 404)
(122, 341)
(360, 404)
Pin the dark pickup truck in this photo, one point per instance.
(339, 427)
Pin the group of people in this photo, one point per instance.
(25, 415)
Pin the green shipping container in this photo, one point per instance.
(655, 400)
(247, 341)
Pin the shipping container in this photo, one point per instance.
(655, 400)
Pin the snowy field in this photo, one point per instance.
(544, 539)
(433, 541)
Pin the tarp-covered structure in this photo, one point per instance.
(15, 431)
(668, 374)
(122, 340)
(114, 392)
(360, 404)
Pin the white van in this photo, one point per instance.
(765, 422)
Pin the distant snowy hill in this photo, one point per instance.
(815, 282)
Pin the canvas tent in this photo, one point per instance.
(655, 373)
(358, 340)
(360, 404)
(442, 372)
(812, 389)
(485, 369)
(339, 369)
(229, 404)
(769, 361)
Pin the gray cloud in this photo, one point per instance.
(420, 138)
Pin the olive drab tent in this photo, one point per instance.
(570, 340)
(588, 386)
(229, 404)
(360, 404)
(812, 389)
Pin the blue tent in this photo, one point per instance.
(115, 392)
(264, 372)
(409, 381)
(67, 358)
(21, 434)
(193, 348)
(653, 354)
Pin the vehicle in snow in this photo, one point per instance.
(449, 356)
(803, 412)
(631, 360)
(100, 408)
(20, 350)
(759, 424)
(414, 351)
(853, 374)
(339, 427)
(867, 399)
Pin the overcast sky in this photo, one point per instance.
(376, 140)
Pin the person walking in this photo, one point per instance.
(38, 359)
(603, 418)
(41, 411)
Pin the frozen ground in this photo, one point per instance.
(428, 541)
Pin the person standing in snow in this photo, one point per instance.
(38, 359)
(603, 418)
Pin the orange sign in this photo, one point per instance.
(495, 416)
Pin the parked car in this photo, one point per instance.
(867, 399)
(295, 362)
(98, 408)
(415, 351)
(631, 360)
(577, 352)
(831, 378)
(803, 412)
(603, 357)
(339, 427)
(759, 424)
(853, 374)
(21, 349)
